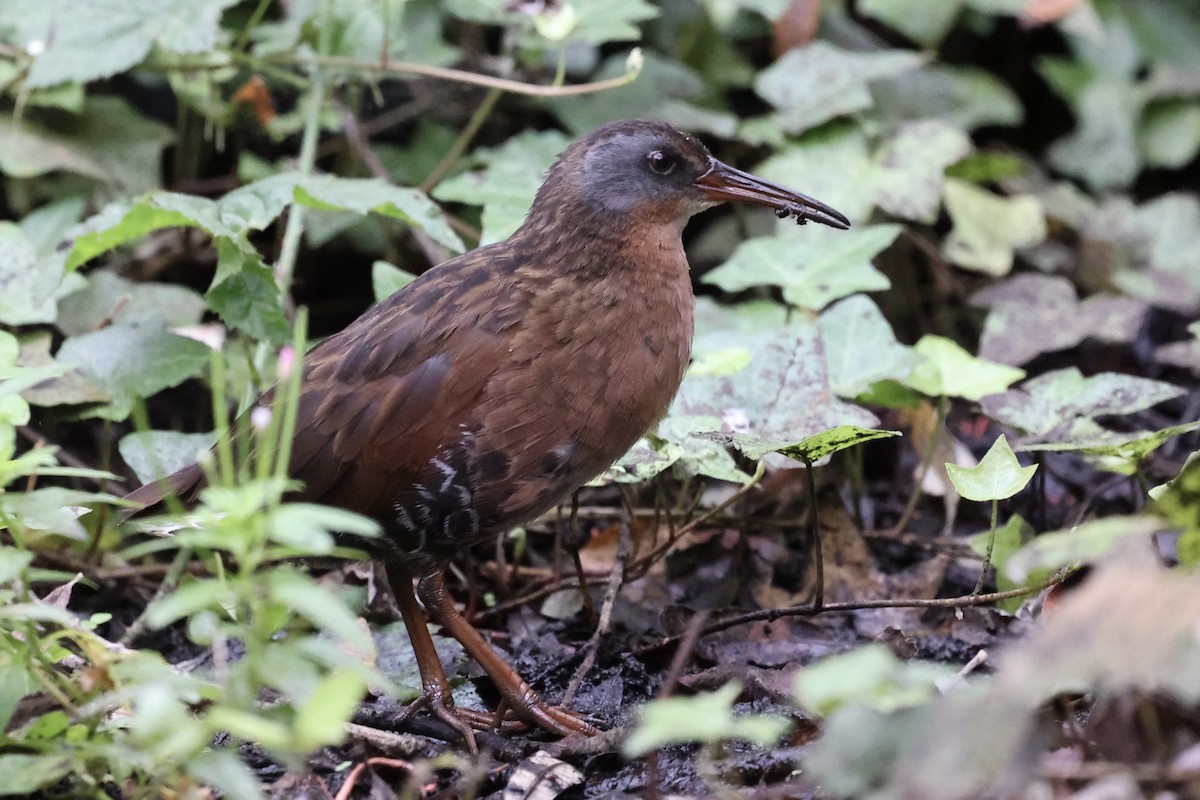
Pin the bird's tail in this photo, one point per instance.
(184, 484)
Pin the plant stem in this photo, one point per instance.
(814, 538)
(987, 557)
(935, 439)
(460, 144)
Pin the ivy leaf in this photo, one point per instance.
(1056, 399)
(909, 175)
(998, 476)
(813, 267)
(506, 185)
(780, 398)
(1033, 314)
(132, 360)
(1122, 453)
(1163, 252)
(860, 347)
(962, 96)
(1169, 133)
(950, 371)
(662, 91)
(818, 82)
(831, 163)
(925, 23)
(988, 228)
(812, 449)
(1102, 150)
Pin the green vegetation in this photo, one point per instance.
(1011, 320)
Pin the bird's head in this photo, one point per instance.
(648, 171)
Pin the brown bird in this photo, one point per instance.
(486, 391)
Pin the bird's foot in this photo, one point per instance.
(533, 710)
(441, 705)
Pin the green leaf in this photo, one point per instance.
(662, 91)
(155, 454)
(246, 295)
(908, 179)
(387, 279)
(818, 82)
(30, 284)
(1056, 399)
(1161, 264)
(322, 719)
(318, 605)
(1179, 503)
(988, 228)
(1169, 134)
(226, 772)
(110, 142)
(1103, 149)
(12, 563)
(782, 395)
(1033, 314)
(120, 223)
(310, 528)
(998, 476)
(1008, 540)
(24, 774)
(813, 448)
(506, 186)
(188, 599)
(363, 195)
(963, 96)
(831, 163)
(703, 718)
(602, 21)
(860, 348)
(814, 267)
(109, 299)
(870, 676)
(1087, 542)
(53, 509)
(1122, 453)
(98, 40)
(647, 458)
(133, 360)
(925, 23)
(950, 371)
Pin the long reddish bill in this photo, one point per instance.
(723, 183)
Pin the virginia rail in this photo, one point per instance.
(491, 387)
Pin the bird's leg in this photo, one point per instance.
(435, 689)
(516, 695)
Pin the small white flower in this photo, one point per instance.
(260, 418)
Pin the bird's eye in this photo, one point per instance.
(661, 162)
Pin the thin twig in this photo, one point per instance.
(772, 614)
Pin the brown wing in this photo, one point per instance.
(390, 401)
